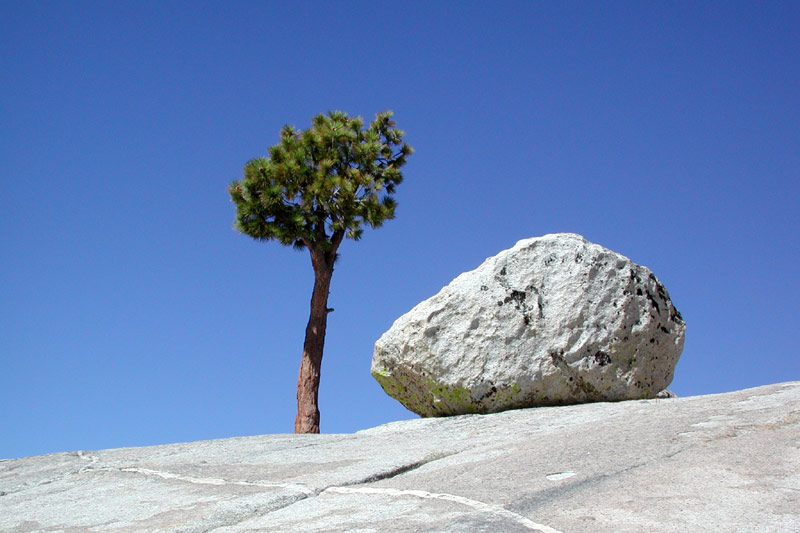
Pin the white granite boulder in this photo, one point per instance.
(554, 320)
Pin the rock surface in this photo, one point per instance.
(727, 462)
(554, 320)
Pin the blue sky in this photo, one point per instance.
(132, 313)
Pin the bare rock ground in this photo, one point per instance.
(726, 462)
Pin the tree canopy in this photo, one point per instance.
(322, 184)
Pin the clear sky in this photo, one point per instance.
(131, 312)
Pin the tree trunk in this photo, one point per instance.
(307, 420)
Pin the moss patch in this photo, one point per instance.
(427, 398)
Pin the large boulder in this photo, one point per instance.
(554, 320)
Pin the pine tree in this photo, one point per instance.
(317, 187)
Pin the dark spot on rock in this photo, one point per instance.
(484, 288)
(625, 339)
(517, 296)
(662, 292)
(527, 320)
(639, 292)
(653, 302)
(503, 271)
(557, 357)
(500, 303)
(652, 341)
(602, 358)
(579, 258)
(665, 330)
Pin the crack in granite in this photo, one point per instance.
(475, 504)
(302, 493)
